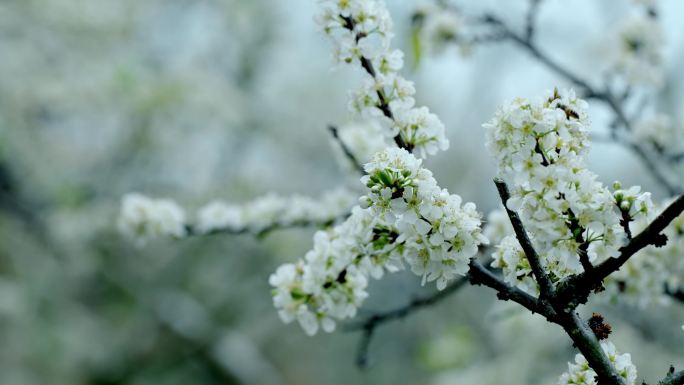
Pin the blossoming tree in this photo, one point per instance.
(560, 238)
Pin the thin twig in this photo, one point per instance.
(545, 285)
(368, 67)
(673, 378)
(346, 150)
(370, 324)
(262, 232)
(527, 44)
(576, 288)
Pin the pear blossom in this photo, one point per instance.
(272, 209)
(440, 25)
(640, 282)
(540, 146)
(659, 130)
(143, 218)
(640, 50)
(363, 138)
(361, 33)
(580, 373)
(406, 219)
(219, 215)
(497, 226)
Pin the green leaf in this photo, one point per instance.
(416, 47)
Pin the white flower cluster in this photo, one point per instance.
(639, 58)
(540, 147)
(361, 31)
(498, 226)
(579, 373)
(362, 138)
(439, 26)
(330, 282)
(407, 219)
(659, 130)
(144, 218)
(439, 236)
(642, 280)
(271, 210)
(632, 203)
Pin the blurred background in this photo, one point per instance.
(203, 99)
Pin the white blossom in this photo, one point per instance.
(643, 278)
(406, 220)
(580, 373)
(144, 218)
(640, 46)
(363, 139)
(361, 32)
(441, 26)
(540, 147)
(217, 216)
(659, 130)
(497, 226)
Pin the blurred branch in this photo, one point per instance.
(677, 293)
(17, 204)
(530, 19)
(673, 378)
(347, 151)
(477, 275)
(260, 233)
(526, 44)
(676, 157)
(370, 324)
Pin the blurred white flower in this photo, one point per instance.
(579, 372)
(659, 130)
(144, 218)
(640, 45)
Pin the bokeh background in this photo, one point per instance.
(204, 99)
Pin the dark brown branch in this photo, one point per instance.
(546, 287)
(369, 325)
(651, 235)
(677, 293)
(586, 342)
(346, 150)
(576, 289)
(480, 275)
(673, 378)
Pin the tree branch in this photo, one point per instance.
(586, 342)
(346, 150)
(575, 289)
(477, 275)
(546, 287)
(193, 231)
(368, 67)
(480, 275)
(526, 43)
(370, 324)
(673, 378)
